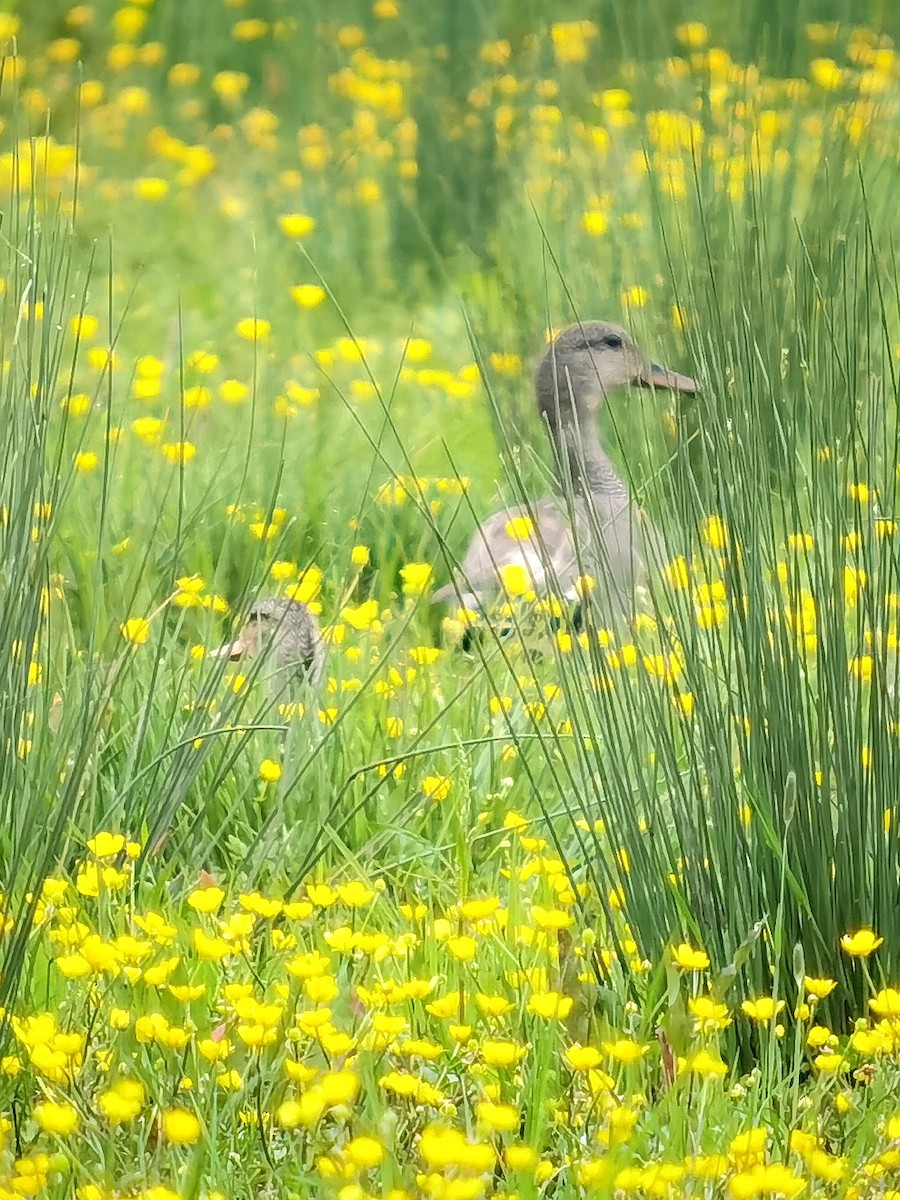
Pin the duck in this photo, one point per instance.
(591, 535)
(286, 629)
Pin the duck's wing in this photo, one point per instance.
(613, 542)
(547, 555)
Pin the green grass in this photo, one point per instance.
(538, 816)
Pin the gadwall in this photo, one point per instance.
(583, 364)
(285, 628)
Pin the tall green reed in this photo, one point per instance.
(760, 819)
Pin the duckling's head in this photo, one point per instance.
(283, 625)
(587, 361)
(268, 620)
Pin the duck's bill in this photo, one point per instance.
(233, 650)
(656, 376)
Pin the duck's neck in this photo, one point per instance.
(585, 462)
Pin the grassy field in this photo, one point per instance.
(525, 910)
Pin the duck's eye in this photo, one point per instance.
(609, 341)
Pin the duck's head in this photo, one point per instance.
(588, 360)
(268, 621)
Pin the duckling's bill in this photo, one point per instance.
(232, 650)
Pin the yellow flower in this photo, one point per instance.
(305, 1110)
(594, 222)
(436, 787)
(364, 1153)
(443, 1148)
(583, 1058)
(230, 85)
(76, 405)
(253, 329)
(151, 188)
(269, 771)
(748, 1148)
(706, 1065)
(321, 894)
(506, 364)
(709, 1014)
(361, 617)
(860, 944)
(715, 531)
(60, 1119)
(204, 362)
(181, 1127)
(136, 630)
(424, 656)
(886, 1003)
(297, 226)
(521, 1158)
(677, 573)
(179, 453)
(148, 429)
(416, 350)
(829, 1062)
(515, 579)
(416, 578)
(463, 948)
(820, 988)
(84, 326)
(520, 529)
(339, 1087)
(693, 34)
(106, 845)
(764, 1008)
(624, 1050)
(635, 297)
(497, 1053)
(773, 1179)
(308, 295)
(493, 1006)
(499, 1118)
(206, 900)
(355, 893)
(265, 531)
(233, 391)
(826, 73)
(251, 29)
(550, 1005)
(122, 1102)
(825, 1166)
(689, 959)
(102, 359)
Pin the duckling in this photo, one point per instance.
(286, 628)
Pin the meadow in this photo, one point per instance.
(516, 907)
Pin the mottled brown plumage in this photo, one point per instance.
(598, 530)
(288, 631)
